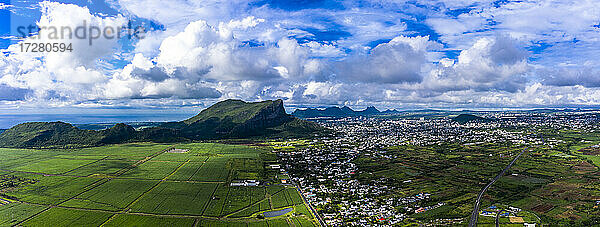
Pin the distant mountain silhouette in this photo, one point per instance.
(391, 111)
(466, 118)
(335, 112)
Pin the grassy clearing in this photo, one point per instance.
(255, 208)
(271, 190)
(304, 222)
(57, 217)
(14, 158)
(280, 199)
(303, 210)
(175, 198)
(242, 197)
(80, 157)
(13, 213)
(213, 170)
(294, 197)
(181, 157)
(142, 220)
(216, 202)
(186, 172)
(54, 166)
(50, 189)
(113, 195)
(152, 170)
(102, 167)
(278, 222)
(593, 158)
(258, 224)
(132, 151)
(215, 223)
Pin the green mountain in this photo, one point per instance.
(466, 118)
(60, 134)
(44, 134)
(239, 119)
(230, 119)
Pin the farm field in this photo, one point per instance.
(548, 187)
(143, 184)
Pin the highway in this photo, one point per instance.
(475, 213)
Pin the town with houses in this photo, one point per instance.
(325, 169)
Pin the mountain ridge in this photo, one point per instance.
(233, 118)
(229, 119)
(335, 112)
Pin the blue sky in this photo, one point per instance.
(451, 54)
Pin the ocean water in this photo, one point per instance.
(9, 120)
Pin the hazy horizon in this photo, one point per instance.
(414, 54)
(89, 116)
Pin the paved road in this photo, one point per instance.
(314, 211)
(475, 213)
(498, 216)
